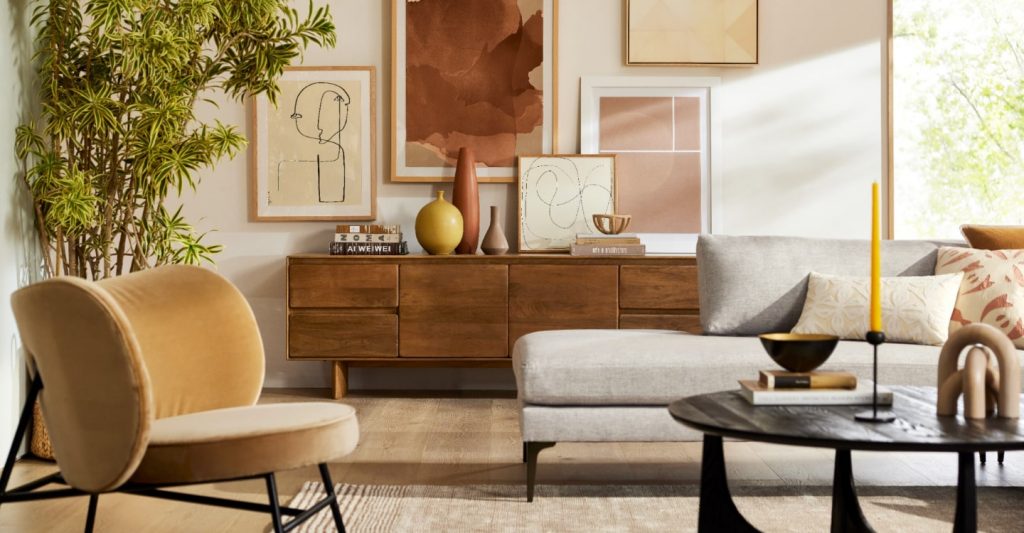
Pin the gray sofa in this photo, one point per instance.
(614, 385)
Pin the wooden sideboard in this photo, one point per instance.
(468, 310)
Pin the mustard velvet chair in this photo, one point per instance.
(150, 380)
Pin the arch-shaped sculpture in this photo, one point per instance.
(985, 387)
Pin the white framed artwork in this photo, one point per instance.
(558, 197)
(666, 132)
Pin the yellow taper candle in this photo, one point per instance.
(876, 262)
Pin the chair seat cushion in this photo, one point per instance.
(246, 441)
(653, 367)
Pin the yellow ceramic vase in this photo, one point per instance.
(439, 226)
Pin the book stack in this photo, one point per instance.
(601, 245)
(369, 239)
(776, 387)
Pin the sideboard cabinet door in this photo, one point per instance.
(453, 310)
(544, 297)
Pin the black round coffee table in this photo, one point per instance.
(916, 429)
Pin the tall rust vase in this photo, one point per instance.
(466, 197)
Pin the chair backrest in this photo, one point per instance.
(96, 396)
(115, 354)
(198, 337)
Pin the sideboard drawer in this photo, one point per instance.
(546, 297)
(687, 323)
(343, 285)
(658, 287)
(324, 335)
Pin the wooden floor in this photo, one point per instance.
(474, 438)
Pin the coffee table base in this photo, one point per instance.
(718, 512)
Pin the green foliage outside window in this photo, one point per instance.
(117, 134)
(959, 115)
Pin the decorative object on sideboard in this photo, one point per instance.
(611, 224)
(494, 242)
(499, 55)
(691, 32)
(439, 226)
(466, 197)
(559, 194)
(875, 336)
(983, 386)
(799, 352)
(314, 153)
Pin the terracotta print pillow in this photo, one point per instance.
(915, 309)
(992, 291)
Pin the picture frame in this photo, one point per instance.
(558, 196)
(301, 170)
(691, 32)
(667, 133)
(425, 139)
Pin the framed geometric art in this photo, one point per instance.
(314, 153)
(664, 132)
(558, 197)
(477, 74)
(691, 32)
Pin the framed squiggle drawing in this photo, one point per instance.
(314, 153)
(558, 196)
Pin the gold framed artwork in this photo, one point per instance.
(691, 32)
(314, 154)
(558, 197)
(478, 74)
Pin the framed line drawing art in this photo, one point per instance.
(665, 131)
(478, 74)
(691, 32)
(314, 155)
(558, 196)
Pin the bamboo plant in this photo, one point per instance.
(117, 134)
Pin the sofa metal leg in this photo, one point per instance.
(325, 474)
(524, 452)
(531, 450)
(90, 517)
(275, 504)
(981, 457)
(1000, 456)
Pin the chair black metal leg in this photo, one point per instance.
(19, 434)
(1000, 456)
(325, 474)
(90, 517)
(981, 457)
(533, 449)
(275, 504)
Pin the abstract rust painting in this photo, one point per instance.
(476, 74)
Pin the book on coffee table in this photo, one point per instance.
(758, 394)
(781, 379)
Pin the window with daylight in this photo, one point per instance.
(958, 115)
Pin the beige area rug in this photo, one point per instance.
(593, 508)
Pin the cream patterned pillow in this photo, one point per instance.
(915, 309)
(992, 291)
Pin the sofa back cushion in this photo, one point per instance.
(754, 285)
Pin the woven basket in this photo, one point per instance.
(40, 446)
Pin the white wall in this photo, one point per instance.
(17, 243)
(802, 139)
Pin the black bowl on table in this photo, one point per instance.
(799, 352)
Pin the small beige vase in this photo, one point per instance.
(495, 242)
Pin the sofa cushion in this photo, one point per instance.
(654, 367)
(754, 285)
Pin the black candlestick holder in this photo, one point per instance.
(875, 339)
